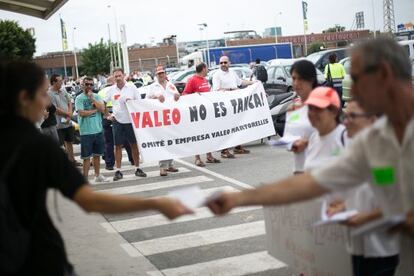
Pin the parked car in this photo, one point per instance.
(243, 72)
(180, 79)
(347, 81)
(279, 78)
(320, 59)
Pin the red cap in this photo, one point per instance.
(323, 97)
(159, 69)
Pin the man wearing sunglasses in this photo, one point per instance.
(90, 108)
(227, 80)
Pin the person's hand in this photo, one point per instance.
(408, 225)
(90, 95)
(299, 145)
(176, 97)
(111, 118)
(224, 202)
(45, 114)
(161, 98)
(172, 208)
(358, 220)
(335, 207)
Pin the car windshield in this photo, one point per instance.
(314, 57)
(287, 69)
(177, 75)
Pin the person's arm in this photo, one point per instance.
(99, 104)
(91, 201)
(326, 71)
(61, 112)
(86, 113)
(293, 189)
(246, 82)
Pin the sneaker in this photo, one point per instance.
(100, 178)
(140, 173)
(109, 168)
(118, 175)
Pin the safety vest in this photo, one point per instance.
(102, 94)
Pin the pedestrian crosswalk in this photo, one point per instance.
(198, 244)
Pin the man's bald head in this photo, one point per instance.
(224, 63)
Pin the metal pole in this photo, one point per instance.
(74, 54)
(117, 38)
(178, 54)
(124, 49)
(279, 13)
(110, 49)
(63, 52)
(208, 49)
(373, 17)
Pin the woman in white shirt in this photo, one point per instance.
(304, 80)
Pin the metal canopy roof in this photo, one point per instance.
(38, 8)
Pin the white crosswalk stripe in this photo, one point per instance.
(199, 238)
(233, 266)
(158, 185)
(132, 176)
(158, 220)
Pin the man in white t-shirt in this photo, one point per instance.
(162, 89)
(123, 131)
(382, 155)
(227, 80)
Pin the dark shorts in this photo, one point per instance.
(66, 135)
(92, 145)
(122, 133)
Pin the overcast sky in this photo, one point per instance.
(146, 20)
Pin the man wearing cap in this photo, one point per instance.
(199, 83)
(119, 94)
(383, 155)
(162, 89)
(227, 80)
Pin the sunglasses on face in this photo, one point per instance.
(88, 84)
(223, 62)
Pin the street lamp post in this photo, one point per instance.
(204, 27)
(74, 54)
(118, 47)
(176, 48)
(112, 65)
(279, 13)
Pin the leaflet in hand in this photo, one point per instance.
(193, 197)
(379, 225)
(337, 218)
(284, 141)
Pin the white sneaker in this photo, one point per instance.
(101, 178)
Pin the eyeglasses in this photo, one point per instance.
(352, 116)
(88, 84)
(223, 62)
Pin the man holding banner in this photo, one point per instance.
(227, 80)
(199, 83)
(162, 89)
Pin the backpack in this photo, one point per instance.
(14, 238)
(261, 73)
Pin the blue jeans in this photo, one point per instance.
(109, 144)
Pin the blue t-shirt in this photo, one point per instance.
(91, 124)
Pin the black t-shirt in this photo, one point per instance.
(51, 119)
(41, 165)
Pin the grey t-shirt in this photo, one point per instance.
(60, 99)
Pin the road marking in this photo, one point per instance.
(159, 220)
(132, 176)
(200, 238)
(223, 177)
(130, 250)
(233, 266)
(158, 185)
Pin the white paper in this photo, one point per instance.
(284, 141)
(193, 197)
(337, 218)
(379, 225)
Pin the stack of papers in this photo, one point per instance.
(379, 225)
(193, 197)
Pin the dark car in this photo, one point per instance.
(180, 79)
(320, 59)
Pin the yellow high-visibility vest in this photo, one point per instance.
(337, 70)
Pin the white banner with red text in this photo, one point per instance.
(200, 122)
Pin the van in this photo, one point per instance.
(320, 59)
(408, 46)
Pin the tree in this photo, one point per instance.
(335, 29)
(96, 59)
(15, 43)
(316, 47)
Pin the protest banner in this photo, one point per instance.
(200, 123)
